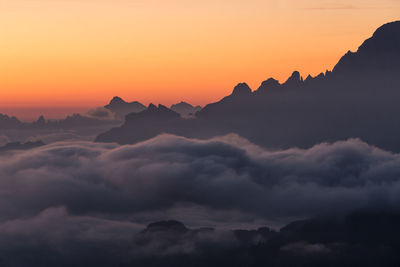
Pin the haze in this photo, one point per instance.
(81, 53)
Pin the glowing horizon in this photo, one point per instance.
(82, 53)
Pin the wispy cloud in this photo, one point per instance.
(344, 7)
(335, 7)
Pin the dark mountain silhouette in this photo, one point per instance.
(41, 120)
(185, 109)
(355, 239)
(76, 126)
(71, 121)
(9, 122)
(359, 98)
(380, 52)
(138, 126)
(122, 108)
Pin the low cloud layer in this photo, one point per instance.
(221, 174)
(100, 113)
(92, 193)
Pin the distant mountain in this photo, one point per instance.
(138, 126)
(355, 239)
(158, 113)
(9, 122)
(76, 127)
(69, 122)
(122, 108)
(185, 109)
(358, 99)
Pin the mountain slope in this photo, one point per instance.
(358, 99)
(121, 108)
(185, 109)
(378, 53)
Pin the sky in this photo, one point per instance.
(60, 54)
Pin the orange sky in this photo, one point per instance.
(80, 53)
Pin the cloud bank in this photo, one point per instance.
(221, 174)
(84, 195)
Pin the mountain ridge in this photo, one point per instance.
(348, 102)
(121, 108)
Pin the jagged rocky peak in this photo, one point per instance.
(309, 78)
(151, 107)
(153, 112)
(296, 76)
(294, 79)
(116, 100)
(328, 73)
(121, 108)
(118, 103)
(242, 89)
(271, 83)
(182, 104)
(159, 109)
(163, 108)
(41, 120)
(316, 78)
(185, 109)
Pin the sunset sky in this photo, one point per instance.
(80, 53)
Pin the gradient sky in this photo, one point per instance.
(80, 53)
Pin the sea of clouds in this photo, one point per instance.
(89, 195)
